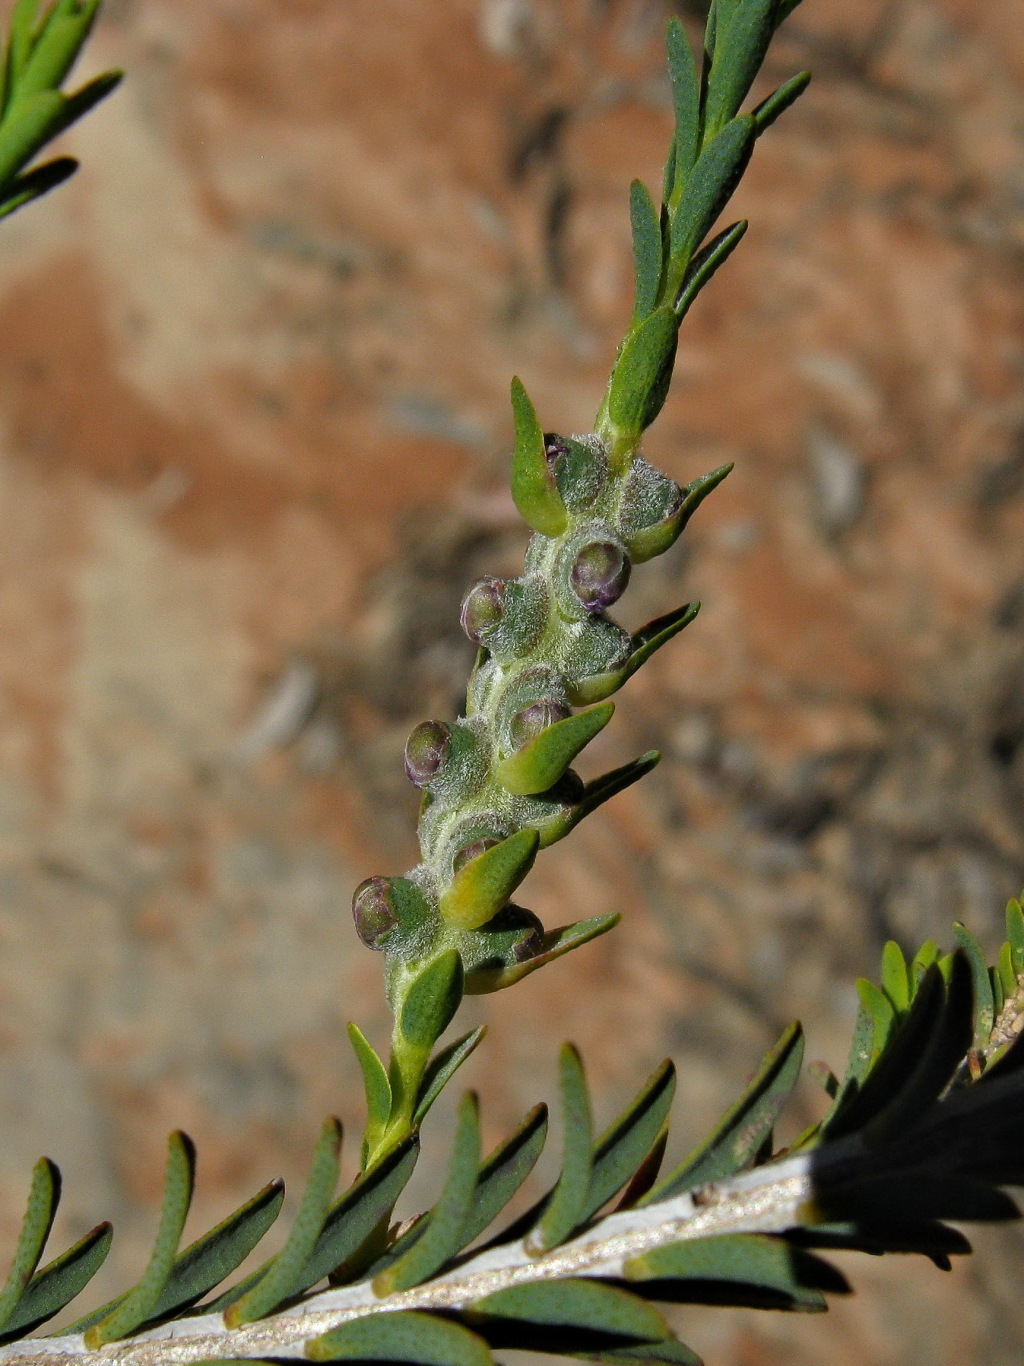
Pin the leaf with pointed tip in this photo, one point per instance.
(534, 488)
(1007, 974)
(671, 1352)
(432, 1000)
(647, 249)
(779, 101)
(743, 42)
(402, 1335)
(55, 52)
(646, 1174)
(376, 1085)
(133, 1309)
(566, 1208)
(927, 1237)
(57, 1284)
(88, 96)
(283, 1275)
(585, 1310)
(441, 1237)
(601, 790)
(555, 944)
(682, 70)
(705, 264)
(658, 633)
(483, 886)
(926, 955)
(740, 1133)
(655, 540)
(212, 1258)
(717, 173)
(505, 1171)
(895, 977)
(643, 372)
(620, 1151)
(543, 760)
(880, 1008)
(984, 1002)
(43, 1199)
(35, 183)
(441, 1070)
(753, 1269)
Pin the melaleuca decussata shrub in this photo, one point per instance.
(923, 1127)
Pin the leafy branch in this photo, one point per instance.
(922, 1127)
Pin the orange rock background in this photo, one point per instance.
(253, 435)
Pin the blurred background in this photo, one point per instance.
(254, 431)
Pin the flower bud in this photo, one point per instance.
(471, 851)
(535, 718)
(373, 911)
(426, 751)
(555, 447)
(599, 574)
(483, 608)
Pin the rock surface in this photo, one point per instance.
(253, 434)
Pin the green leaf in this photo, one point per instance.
(566, 1208)
(706, 263)
(686, 100)
(483, 886)
(1007, 975)
(643, 372)
(739, 52)
(602, 789)
(57, 1284)
(926, 955)
(1015, 934)
(895, 977)
(375, 1084)
(543, 760)
(779, 101)
(442, 1069)
(984, 1004)
(671, 1352)
(134, 1308)
(212, 1258)
(655, 540)
(753, 1269)
(742, 1130)
(710, 187)
(283, 1275)
(43, 1198)
(620, 1151)
(54, 53)
(24, 17)
(583, 1306)
(81, 101)
(556, 943)
(35, 183)
(26, 128)
(350, 1221)
(402, 1335)
(880, 1008)
(655, 634)
(534, 489)
(504, 1172)
(647, 249)
(441, 1237)
(646, 1174)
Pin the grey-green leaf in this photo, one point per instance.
(441, 1070)
(133, 1309)
(43, 1198)
(655, 634)
(779, 101)
(534, 489)
(706, 263)
(566, 1209)
(542, 761)
(376, 1085)
(583, 1304)
(402, 1335)
(283, 1275)
(432, 999)
(57, 1284)
(715, 176)
(737, 1138)
(442, 1236)
(647, 249)
(556, 943)
(642, 375)
(620, 1151)
(504, 1172)
(738, 57)
(682, 71)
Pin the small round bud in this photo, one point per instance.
(373, 911)
(535, 718)
(426, 751)
(599, 574)
(555, 447)
(483, 608)
(471, 851)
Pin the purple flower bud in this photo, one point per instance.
(532, 941)
(373, 912)
(554, 448)
(471, 851)
(535, 718)
(425, 751)
(600, 574)
(483, 608)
